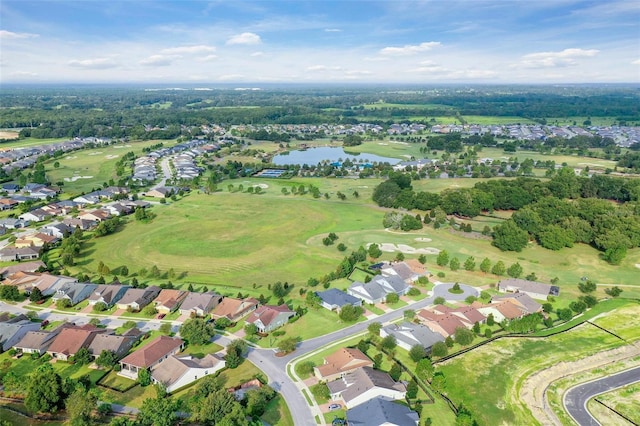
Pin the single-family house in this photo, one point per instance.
(199, 304)
(341, 362)
(168, 300)
(269, 317)
(8, 271)
(37, 215)
(77, 223)
(334, 299)
(12, 253)
(74, 292)
(376, 290)
(504, 310)
(234, 309)
(12, 223)
(380, 411)
(58, 230)
(71, 339)
(160, 192)
(445, 324)
(408, 335)
(13, 330)
(95, 215)
(118, 344)
(108, 294)
(36, 240)
(48, 284)
(179, 371)
(400, 269)
(522, 300)
(149, 355)
(363, 384)
(8, 204)
(137, 298)
(35, 342)
(532, 288)
(10, 188)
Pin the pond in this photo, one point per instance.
(333, 154)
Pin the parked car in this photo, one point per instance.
(333, 407)
(44, 323)
(161, 316)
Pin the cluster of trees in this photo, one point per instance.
(565, 210)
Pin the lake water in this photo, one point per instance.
(313, 156)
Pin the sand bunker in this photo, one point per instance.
(406, 155)
(638, 265)
(75, 178)
(122, 146)
(95, 153)
(111, 157)
(400, 143)
(71, 158)
(382, 143)
(423, 239)
(261, 185)
(391, 248)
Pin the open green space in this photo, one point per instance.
(277, 413)
(571, 160)
(625, 400)
(84, 170)
(495, 372)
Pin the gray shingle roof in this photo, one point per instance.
(414, 334)
(379, 411)
(336, 297)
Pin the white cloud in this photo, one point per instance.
(636, 62)
(244, 38)
(189, 50)
(159, 60)
(231, 77)
(409, 49)
(332, 30)
(208, 58)
(24, 74)
(94, 64)
(11, 35)
(256, 54)
(322, 68)
(563, 58)
(358, 72)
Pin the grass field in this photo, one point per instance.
(571, 160)
(84, 170)
(625, 400)
(493, 373)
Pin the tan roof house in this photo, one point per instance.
(234, 309)
(70, 340)
(168, 300)
(137, 298)
(148, 356)
(268, 317)
(340, 362)
(199, 304)
(176, 372)
(118, 344)
(364, 384)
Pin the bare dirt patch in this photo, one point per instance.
(9, 134)
(75, 178)
(406, 249)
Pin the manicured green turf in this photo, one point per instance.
(494, 373)
(571, 160)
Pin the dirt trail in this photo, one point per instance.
(534, 389)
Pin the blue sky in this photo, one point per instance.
(360, 41)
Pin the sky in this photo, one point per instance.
(320, 41)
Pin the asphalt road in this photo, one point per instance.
(575, 400)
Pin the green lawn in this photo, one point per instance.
(571, 160)
(494, 373)
(199, 351)
(277, 413)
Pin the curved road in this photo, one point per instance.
(575, 400)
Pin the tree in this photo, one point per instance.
(256, 400)
(392, 298)
(236, 350)
(454, 264)
(374, 328)
(443, 258)
(422, 259)
(578, 306)
(82, 357)
(196, 331)
(417, 352)
(395, 371)
(613, 291)
(80, 406)
(509, 237)
(165, 328)
(36, 295)
(547, 308)
(251, 329)
(100, 307)
(158, 411)
(388, 342)
(587, 287)
(412, 389)
(564, 314)
(144, 377)
(449, 342)
(439, 300)
(224, 322)
(44, 390)
(476, 327)
(499, 268)
(288, 344)
(107, 359)
(129, 324)
(464, 336)
(515, 270)
(350, 313)
(470, 263)
(424, 369)
(490, 320)
(439, 349)
(374, 251)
